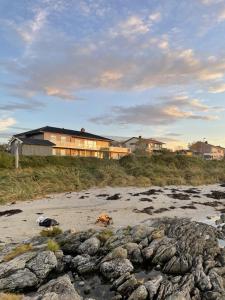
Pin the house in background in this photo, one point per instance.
(65, 142)
(207, 151)
(143, 144)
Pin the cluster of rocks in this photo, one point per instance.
(173, 259)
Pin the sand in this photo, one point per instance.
(79, 210)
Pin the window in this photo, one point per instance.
(62, 152)
(52, 137)
(90, 144)
(63, 139)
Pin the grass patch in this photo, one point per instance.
(17, 251)
(39, 176)
(7, 296)
(51, 232)
(104, 235)
(53, 246)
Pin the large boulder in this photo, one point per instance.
(116, 267)
(59, 289)
(42, 264)
(19, 281)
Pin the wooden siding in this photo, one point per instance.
(36, 150)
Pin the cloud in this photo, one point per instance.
(59, 93)
(132, 26)
(29, 30)
(159, 113)
(218, 88)
(155, 17)
(6, 123)
(22, 105)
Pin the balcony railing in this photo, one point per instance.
(70, 145)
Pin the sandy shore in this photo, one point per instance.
(79, 210)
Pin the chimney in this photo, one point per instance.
(82, 130)
(140, 137)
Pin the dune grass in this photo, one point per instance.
(20, 249)
(39, 176)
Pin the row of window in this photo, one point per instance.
(77, 142)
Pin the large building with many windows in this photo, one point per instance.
(65, 142)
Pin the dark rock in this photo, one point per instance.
(179, 196)
(216, 195)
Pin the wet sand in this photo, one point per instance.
(79, 210)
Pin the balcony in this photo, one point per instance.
(69, 145)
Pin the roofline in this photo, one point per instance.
(43, 129)
(153, 140)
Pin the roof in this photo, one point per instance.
(80, 134)
(145, 140)
(29, 141)
(206, 143)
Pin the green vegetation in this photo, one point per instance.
(104, 235)
(53, 246)
(17, 251)
(39, 176)
(51, 232)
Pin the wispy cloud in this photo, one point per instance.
(160, 112)
(6, 123)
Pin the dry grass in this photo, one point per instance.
(7, 296)
(17, 251)
(53, 246)
(51, 232)
(39, 176)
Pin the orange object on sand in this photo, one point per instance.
(104, 219)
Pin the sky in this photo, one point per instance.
(153, 68)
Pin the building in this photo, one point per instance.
(143, 144)
(207, 151)
(65, 142)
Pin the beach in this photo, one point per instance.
(78, 211)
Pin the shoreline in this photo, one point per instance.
(79, 210)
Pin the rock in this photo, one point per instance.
(140, 293)
(62, 287)
(140, 232)
(128, 286)
(116, 267)
(119, 252)
(18, 263)
(42, 264)
(90, 246)
(119, 281)
(84, 264)
(152, 286)
(176, 296)
(18, 281)
(164, 253)
(202, 280)
(178, 265)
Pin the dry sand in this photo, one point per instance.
(79, 210)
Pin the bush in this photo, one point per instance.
(17, 251)
(53, 246)
(51, 232)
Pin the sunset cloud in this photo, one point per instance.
(6, 123)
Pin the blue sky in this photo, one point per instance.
(118, 68)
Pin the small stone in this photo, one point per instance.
(81, 283)
(140, 293)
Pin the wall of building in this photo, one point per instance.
(36, 150)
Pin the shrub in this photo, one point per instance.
(17, 251)
(53, 246)
(51, 232)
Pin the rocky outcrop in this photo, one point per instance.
(173, 259)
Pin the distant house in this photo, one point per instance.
(60, 141)
(143, 144)
(207, 150)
